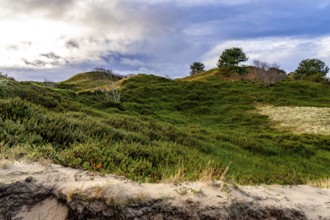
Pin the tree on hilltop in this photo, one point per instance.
(311, 69)
(196, 67)
(230, 58)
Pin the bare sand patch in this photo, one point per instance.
(309, 120)
(49, 209)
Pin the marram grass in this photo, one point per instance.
(167, 129)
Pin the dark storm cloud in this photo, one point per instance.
(51, 55)
(72, 44)
(117, 15)
(130, 19)
(36, 63)
(46, 59)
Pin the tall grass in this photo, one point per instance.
(167, 129)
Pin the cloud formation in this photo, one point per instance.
(156, 36)
(72, 44)
(288, 51)
(51, 55)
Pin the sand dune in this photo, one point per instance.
(55, 192)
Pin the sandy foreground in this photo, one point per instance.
(71, 185)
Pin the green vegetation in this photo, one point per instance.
(5, 85)
(268, 74)
(196, 67)
(89, 80)
(311, 69)
(164, 127)
(229, 60)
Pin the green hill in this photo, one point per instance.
(202, 75)
(89, 80)
(215, 73)
(166, 129)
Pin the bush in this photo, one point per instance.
(229, 60)
(5, 85)
(268, 74)
(196, 67)
(232, 57)
(311, 69)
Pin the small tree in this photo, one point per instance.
(311, 69)
(196, 67)
(230, 59)
(268, 74)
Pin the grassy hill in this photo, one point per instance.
(185, 129)
(89, 81)
(249, 75)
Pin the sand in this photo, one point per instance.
(314, 202)
(309, 120)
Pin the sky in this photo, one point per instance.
(55, 39)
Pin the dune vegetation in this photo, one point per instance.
(187, 129)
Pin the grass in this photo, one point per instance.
(88, 81)
(321, 183)
(167, 129)
(4, 164)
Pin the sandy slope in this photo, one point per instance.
(311, 120)
(71, 184)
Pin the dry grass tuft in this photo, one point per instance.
(45, 161)
(97, 191)
(221, 182)
(5, 164)
(207, 175)
(176, 178)
(322, 183)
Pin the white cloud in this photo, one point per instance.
(324, 50)
(165, 35)
(287, 52)
(77, 31)
(33, 38)
(131, 62)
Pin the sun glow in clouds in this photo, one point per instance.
(83, 33)
(25, 42)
